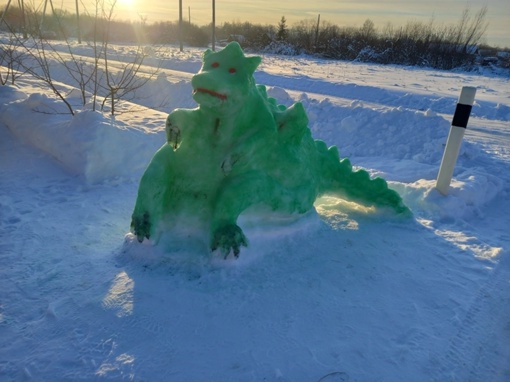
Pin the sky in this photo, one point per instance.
(342, 13)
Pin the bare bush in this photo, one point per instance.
(39, 63)
(106, 75)
(11, 59)
(123, 78)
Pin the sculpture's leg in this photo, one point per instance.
(153, 193)
(236, 195)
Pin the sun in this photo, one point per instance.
(127, 4)
(127, 8)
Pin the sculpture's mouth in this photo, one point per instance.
(223, 97)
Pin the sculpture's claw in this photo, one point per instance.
(173, 135)
(229, 238)
(141, 226)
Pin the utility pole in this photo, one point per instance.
(44, 13)
(24, 19)
(317, 32)
(213, 25)
(180, 25)
(78, 22)
(189, 15)
(42, 17)
(5, 12)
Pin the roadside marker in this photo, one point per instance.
(457, 130)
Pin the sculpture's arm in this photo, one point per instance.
(175, 122)
(152, 193)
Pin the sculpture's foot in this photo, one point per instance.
(229, 238)
(141, 226)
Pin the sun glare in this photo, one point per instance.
(132, 10)
(127, 7)
(127, 3)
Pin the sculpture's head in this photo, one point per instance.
(225, 79)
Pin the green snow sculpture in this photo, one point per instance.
(239, 149)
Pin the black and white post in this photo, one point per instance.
(457, 130)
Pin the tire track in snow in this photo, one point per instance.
(466, 358)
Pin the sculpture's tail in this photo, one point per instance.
(337, 177)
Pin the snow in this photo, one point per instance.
(345, 293)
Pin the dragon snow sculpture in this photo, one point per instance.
(237, 149)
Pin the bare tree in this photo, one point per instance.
(123, 78)
(282, 30)
(81, 72)
(368, 32)
(41, 57)
(476, 28)
(101, 75)
(39, 66)
(470, 29)
(11, 59)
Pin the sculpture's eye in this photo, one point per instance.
(215, 64)
(232, 70)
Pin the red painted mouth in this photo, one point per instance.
(223, 97)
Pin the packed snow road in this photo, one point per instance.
(344, 85)
(342, 81)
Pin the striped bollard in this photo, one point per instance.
(457, 130)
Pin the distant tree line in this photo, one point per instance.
(415, 43)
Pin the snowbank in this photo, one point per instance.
(89, 144)
(100, 148)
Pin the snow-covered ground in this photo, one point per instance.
(344, 294)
